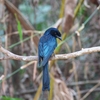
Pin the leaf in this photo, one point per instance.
(19, 27)
(68, 15)
(8, 98)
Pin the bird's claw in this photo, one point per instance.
(53, 55)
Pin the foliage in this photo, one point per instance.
(19, 27)
(37, 18)
(9, 98)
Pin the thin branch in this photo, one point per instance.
(83, 82)
(1, 77)
(11, 55)
(90, 91)
(34, 90)
(26, 92)
(87, 90)
(57, 24)
(76, 79)
(27, 31)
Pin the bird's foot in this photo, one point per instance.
(53, 55)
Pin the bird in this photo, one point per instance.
(46, 46)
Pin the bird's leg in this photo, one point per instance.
(45, 95)
(53, 54)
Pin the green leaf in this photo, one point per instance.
(19, 28)
(8, 98)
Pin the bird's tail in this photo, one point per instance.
(46, 78)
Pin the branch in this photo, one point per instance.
(87, 90)
(11, 55)
(4, 58)
(34, 90)
(26, 92)
(83, 82)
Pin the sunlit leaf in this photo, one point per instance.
(19, 27)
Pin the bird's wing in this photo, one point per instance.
(48, 49)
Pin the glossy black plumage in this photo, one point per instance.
(46, 46)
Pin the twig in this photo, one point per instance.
(83, 82)
(76, 79)
(89, 92)
(34, 90)
(27, 31)
(26, 92)
(1, 77)
(21, 68)
(57, 24)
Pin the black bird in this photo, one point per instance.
(46, 46)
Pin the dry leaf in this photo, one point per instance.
(68, 15)
(61, 91)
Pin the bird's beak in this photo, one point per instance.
(59, 38)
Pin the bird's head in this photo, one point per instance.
(58, 35)
(54, 32)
